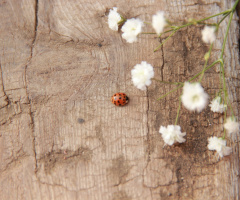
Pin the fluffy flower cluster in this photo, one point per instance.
(231, 125)
(216, 105)
(142, 74)
(172, 134)
(159, 22)
(131, 29)
(194, 97)
(208, 34)
(219, 145)
(114, 19)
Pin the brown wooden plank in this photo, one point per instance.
(60, 135)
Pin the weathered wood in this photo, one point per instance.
(60, 136)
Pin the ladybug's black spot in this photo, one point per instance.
(118, 101)
(120, 94)
(127, 98)
(115, 95)
(119, 104)
(120, 97)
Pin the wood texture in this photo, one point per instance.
(60, 136)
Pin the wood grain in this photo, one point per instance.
(60, 136)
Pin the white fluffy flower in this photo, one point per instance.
(131, 29)
(194, 97)
(208, 34)
(142, 74)
(172, 134)
(159, 22)
(216, 105)
(113, 19)
(219, 145)
(231, 125)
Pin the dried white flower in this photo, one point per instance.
(194, 97)
(131, 29)
(219, 145)
(172, 134)
(113, 19)
(208, 34)
(159, 22)
(142, 74)
(216, 105)
(231, 125)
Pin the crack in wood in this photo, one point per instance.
(148, 134)
(3, 88)
(25, 77)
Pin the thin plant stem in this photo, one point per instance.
(231, 109)
(176, 28)
(204, 19)
(235, 5)
(165, 40)
(167, 82)
(178, 111)
(207, 68)
(222, 70)
(170, 92)
(226, 35)
(206, 61)
(147, 22)
(222, 19)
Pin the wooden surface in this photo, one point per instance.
(60, 136)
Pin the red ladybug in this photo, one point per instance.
(119, 99)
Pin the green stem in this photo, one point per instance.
(231, 108)
(165, 40)
(167, 82)
(204, 19)
(176, 28)
(235, 5)
(226, 35)
(206, 61)
(170, 92)
(222, 19)
(147, 22)
(222, 68)
(207, 68)
(178, 111)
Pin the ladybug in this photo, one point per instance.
(120, 99)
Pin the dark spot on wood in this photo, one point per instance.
(99, 45)
(80, 121)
